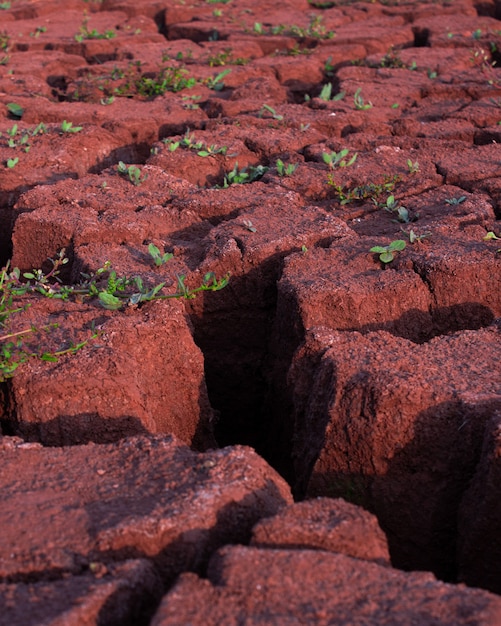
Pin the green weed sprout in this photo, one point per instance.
(359, 102)
(266, 108)
(131, 172)
(412, 166)
(335, 159)
(112, 291)
(236, 176)
(67, 127)
(159, 258)
(285, 170)
(387, 253)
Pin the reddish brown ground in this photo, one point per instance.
(376, 383)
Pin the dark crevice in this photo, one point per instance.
(421, 37)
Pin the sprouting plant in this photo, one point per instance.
(216, 82)
(338, 159)
(258, 28)
(414, 237)
(267, 109)
(387, 253)
(38, 31)
(67, 127)
(212, 150)
(392, 59)
(412, 166)
(244, 175)
(85, 33)
(359, 102)
(4, 41)
(285, 170)
(455, 201)
(131, 172)
(171, 145)
(248, 225)
(167, 79)
(329, 67)
(11, 163)
(157, 256)
(304, 127)
(5, 5)
(491, 235)
(15, 110)
(393, 206)
(326, 92)
(104, 285)
(363, 192)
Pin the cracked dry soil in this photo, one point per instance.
(151, 477)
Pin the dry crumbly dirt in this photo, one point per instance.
(357, 123)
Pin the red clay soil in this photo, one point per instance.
(277, 144)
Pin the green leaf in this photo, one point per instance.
(386, 257)
(110, 301)
(16, 110)
(399, 244)
(378, 250)
(46, 356)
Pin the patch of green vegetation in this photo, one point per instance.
(85, 33)
(360, 193)
(387, 253)
(132, 173)
(104, 286)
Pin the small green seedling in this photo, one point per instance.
(157, 256)
(491, 235)
(11, 163)
(212, 150)
(266, 108)
(249, 226)
(326, 92)
(285, 170)
(387, 253)
(67, 127)
(359, 102)
(131, 172)
(335, 159)
(393, 206)
(413, 167)
(414, 237)
(236, 176)
(216, 82)
(455, 201)
(15, 110)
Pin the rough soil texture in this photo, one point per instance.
(277, 144)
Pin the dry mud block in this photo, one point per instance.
(327, 524)
(450, 285)
(142, 373)
(397, 427)
(289, 587)
(479, 541)
(123, 594)
(63, 509)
